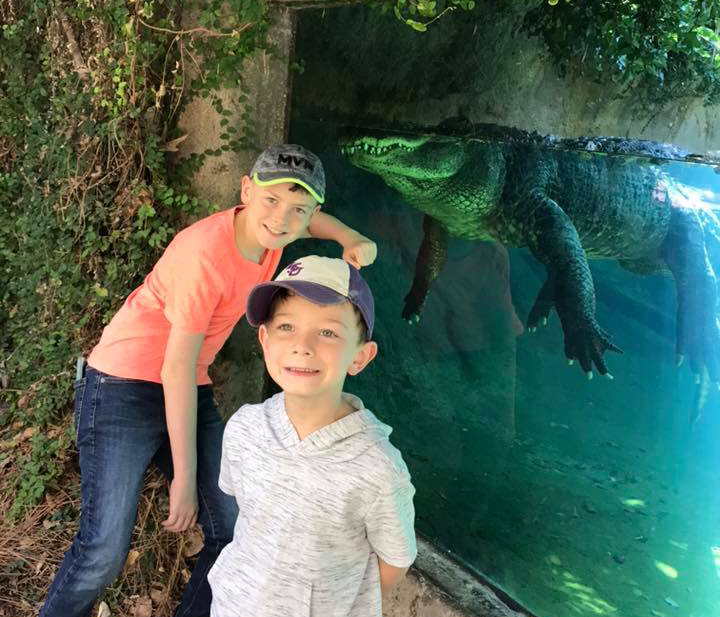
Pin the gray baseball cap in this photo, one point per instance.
(290, 163)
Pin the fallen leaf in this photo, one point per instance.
(158, 595)
(132, 557)
(103, 610)
(27, 433)
(194, 542)
(48, 524)
(143, 607)
(23, 401)
(172, 145)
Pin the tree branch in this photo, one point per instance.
(201, 31)
(80, 68)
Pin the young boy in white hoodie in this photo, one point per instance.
(326, 517)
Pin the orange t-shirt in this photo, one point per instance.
(200, 284)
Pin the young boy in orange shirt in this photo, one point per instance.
(145, 394)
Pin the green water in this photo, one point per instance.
(576, 497)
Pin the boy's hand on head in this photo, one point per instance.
(359, 251)
(183, 506)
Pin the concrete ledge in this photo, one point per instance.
(437, 586)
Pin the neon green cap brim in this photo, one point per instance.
(306, 186)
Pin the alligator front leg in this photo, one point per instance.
(698, 332)
(431, 258)
(554, 241)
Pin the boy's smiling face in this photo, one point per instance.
(310, 348)
(277, 214)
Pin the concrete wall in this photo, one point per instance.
(266, 81)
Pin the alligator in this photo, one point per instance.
(565, 206)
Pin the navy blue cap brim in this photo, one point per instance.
(261, 297)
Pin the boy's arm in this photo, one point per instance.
(180, 389)
(390, 530)
(390, 575)
(357, 249)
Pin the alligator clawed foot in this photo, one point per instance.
(539, 314)
(412, 308)
(587, 345)
(699, 340)
(543, 322)
(410, 316)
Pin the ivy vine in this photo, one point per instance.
(90, 93)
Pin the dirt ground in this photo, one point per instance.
(31, 549)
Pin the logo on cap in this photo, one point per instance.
(294, 269)
(295, 161)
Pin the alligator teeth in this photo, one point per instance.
(374, 150)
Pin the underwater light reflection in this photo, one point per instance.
(715, 550)
(584, 598)
(666, 569)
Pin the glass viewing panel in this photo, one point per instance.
(576, 496)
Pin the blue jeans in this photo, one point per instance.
(120, 428)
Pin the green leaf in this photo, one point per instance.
(146, 211)
(416, 25)
(426, 8)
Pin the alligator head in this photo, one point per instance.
(413, 164)
(436, 174)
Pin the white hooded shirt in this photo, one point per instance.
(314, 515)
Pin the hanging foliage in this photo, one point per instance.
(660, 50)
